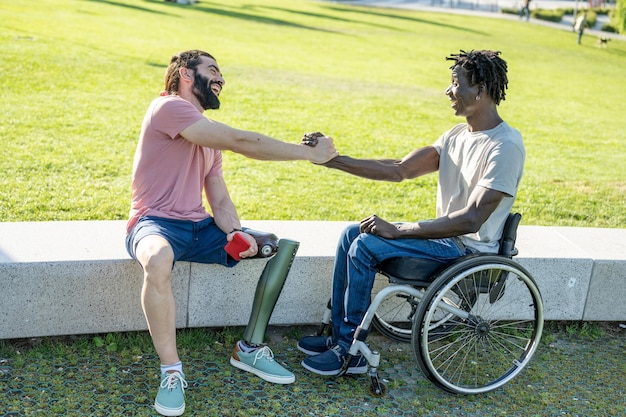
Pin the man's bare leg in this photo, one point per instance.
(157, 299)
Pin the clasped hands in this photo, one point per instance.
(322, 147)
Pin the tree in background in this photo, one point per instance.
(620, 16)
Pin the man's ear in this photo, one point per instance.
(185, 73)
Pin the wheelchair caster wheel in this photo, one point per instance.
(377, 388)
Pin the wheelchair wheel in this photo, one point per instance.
(491, 334)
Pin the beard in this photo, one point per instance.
(204, 94)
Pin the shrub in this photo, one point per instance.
(508, 10)
(549, 15)
(607, 27)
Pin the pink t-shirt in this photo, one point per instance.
(169, 171)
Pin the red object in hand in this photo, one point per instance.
(237, 245)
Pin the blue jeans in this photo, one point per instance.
(358, 254)
(200, 241)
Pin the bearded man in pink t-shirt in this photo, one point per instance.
(177, 157)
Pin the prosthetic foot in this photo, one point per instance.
(268, 289)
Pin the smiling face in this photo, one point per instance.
(462, 94)
(208, 83)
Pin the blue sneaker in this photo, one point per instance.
(314, 345)
(261, 363)
(170, 400)
(331, 362)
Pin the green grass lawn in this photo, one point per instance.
(577, 371)
(78, 75)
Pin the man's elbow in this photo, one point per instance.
(474, 227)
(472, 223)
(397, 176)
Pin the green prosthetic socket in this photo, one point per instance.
(268, 289)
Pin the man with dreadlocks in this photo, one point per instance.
(480, 164)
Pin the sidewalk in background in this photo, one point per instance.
(491, 8)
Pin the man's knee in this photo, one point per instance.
(348, 235)
(155, 256)
(352, 231)
(362, 242)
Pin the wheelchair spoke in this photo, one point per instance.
(494, 340)
(452, 355)
(396, 311)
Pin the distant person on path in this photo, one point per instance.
(178, 157)
(525, 11)
(480, 164)
(580, 25)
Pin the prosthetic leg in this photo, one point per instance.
(268, 289)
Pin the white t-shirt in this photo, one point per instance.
(491, 159)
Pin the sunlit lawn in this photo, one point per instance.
(78, 75)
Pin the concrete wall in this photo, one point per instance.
(75, 277)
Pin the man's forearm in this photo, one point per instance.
(262, 147)
(226, 218)
(212, 134)
(374, 169)
(442, 227)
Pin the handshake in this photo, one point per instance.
(310, 139)
(324, 149)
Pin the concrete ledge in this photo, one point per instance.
(75, 277)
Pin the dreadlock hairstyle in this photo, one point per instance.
(187, 59)
(484, 67)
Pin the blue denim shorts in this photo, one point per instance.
(191, 241)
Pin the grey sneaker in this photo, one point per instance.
(170, 400)
(261, 363)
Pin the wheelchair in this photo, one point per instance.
(473, 324)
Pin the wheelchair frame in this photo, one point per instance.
(475, 323)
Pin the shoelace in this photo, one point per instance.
(340, 353)
(171, 381)
(265, 351)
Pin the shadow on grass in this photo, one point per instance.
(376, 12)
(329, 17)
(237, 13)
(128, 6)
